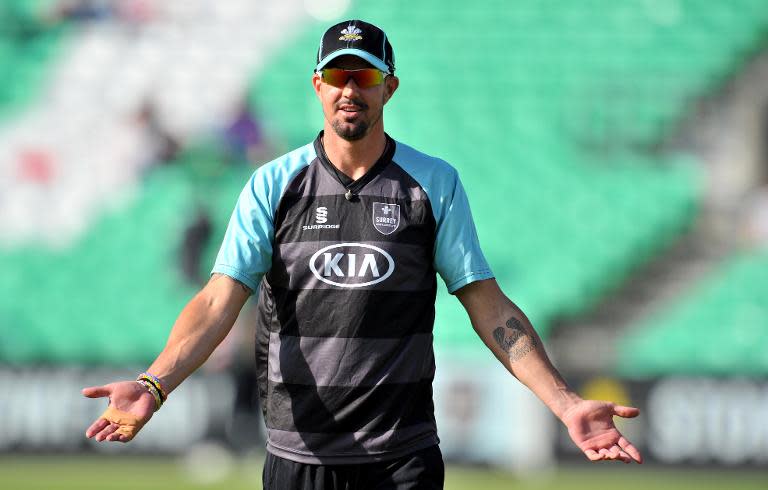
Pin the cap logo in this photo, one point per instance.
(351, 33)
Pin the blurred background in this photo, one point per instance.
(615, 153)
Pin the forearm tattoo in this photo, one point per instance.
(515, 340)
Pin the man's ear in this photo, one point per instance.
(390, 85)
(316, 82)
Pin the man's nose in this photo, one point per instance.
(350, 88)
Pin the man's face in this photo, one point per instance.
(351, 111)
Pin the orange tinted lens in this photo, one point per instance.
(365, 78)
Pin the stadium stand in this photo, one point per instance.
(100, 302)
(190, 62)
(28, 41)
(718, 328)
(551, 112)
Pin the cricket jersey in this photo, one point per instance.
(345, 273)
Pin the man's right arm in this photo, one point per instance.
(203, 323)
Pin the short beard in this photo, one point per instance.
(357, 131)
(353, 133)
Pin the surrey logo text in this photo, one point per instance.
(386, 217)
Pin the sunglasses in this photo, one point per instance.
(364, 78)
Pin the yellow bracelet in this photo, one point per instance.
(151, 388)
(151, 378)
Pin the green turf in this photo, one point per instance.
(110, 473)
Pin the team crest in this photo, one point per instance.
(386, 217)
(351, 33)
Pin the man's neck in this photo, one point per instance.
(354, 158)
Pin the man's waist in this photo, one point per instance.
(350, 448)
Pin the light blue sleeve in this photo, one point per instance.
(457, 254)
(246, 251)
(458, 257)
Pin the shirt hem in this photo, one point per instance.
(235, 274)
(303, 458)
(469, 278)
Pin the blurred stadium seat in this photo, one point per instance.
(27, 43)
(719, 328)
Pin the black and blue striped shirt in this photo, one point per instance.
(345, 273)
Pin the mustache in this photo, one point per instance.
(356, 102)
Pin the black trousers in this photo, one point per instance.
(422, 470)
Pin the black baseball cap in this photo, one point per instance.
(357, 38)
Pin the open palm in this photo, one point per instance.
(134, 403)
(590, 425)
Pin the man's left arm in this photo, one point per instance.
(506, 331)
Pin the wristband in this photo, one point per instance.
(155, 381)
(153, 391)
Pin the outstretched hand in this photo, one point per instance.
(590, 425)
(130, 407)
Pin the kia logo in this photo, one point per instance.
(344, 264)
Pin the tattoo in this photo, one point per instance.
(515, 339)
(217, 275)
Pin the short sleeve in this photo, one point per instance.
(246, 251)
(458, 257)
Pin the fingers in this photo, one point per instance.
(96, 391)
(624, 457)
(112, 433)
(100, 424)
(615, 453)
(611, 453)
(630, 450)
(626, 412)
(592, 455)
(117, 437)
(125, 433)
(96, 427)
(127, 424)
(106, 432)
(115, 425)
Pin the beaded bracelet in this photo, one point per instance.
(155, 381)
(153, 391)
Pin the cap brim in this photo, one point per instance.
(376, 62)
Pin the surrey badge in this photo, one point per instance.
(386, 217)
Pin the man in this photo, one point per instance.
(342, 239)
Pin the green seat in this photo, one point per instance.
(720, 327)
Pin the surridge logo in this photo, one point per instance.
(351, 33)
(351, 265)
(321, 220)
(321, 215)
